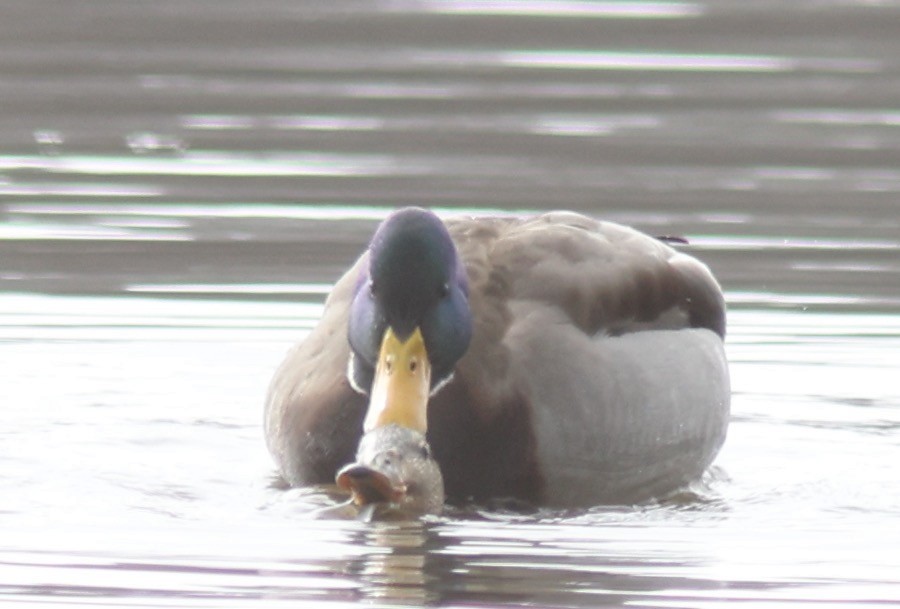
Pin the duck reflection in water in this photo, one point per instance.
(394, 476)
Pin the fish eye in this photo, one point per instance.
(425, 450)
(443, 290)
(388, 457)
(372, 287)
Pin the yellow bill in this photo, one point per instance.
(402, 384)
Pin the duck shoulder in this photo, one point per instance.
(313, 417)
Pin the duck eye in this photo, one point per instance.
(443, 290)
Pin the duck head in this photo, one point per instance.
(394, 469)
(410, 320)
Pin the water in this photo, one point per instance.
(180, 183)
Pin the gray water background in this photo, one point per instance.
(181, 181)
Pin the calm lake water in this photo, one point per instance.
(181, 181)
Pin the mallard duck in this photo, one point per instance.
(555, 359)
(394, 467)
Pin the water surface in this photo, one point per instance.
(181, 183)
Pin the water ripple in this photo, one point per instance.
(197, 163)
(556, 8)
